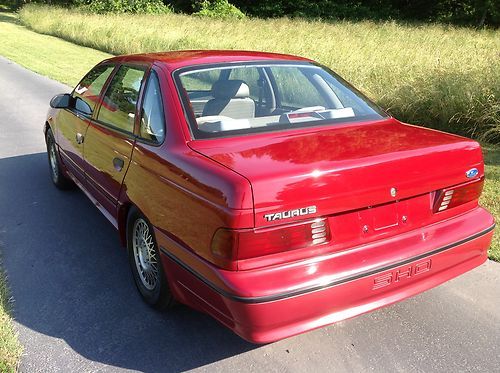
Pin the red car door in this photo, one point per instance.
(72, 123)
(110, 136)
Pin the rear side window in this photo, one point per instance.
(152, 115)
(91, 86)
(120, 100)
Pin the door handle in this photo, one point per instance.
(79, 138)
(118, 164)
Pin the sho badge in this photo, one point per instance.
(291, 213)
(401, 274)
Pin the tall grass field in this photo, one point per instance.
(439, 76)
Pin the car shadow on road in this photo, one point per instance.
(70, 280)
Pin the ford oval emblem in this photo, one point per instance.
(471, 173)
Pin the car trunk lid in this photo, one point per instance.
(315, 172)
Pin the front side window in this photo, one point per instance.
(261, 97)
(119, 102)
(152, 117)
(91, 85)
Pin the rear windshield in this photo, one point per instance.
(235, 99)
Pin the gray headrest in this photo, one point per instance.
(228, 89)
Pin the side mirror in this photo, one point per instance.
(65, 101)
(61, 101)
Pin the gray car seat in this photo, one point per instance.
(231, 99)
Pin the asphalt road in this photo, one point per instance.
(77, 309)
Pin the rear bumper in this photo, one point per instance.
(269, 304)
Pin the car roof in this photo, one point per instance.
(177, 59)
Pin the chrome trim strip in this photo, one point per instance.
(274, 297)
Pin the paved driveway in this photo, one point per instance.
(77, 309)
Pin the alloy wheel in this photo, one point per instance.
(53, 162)
(145, 256)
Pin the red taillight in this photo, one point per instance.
(230, 245)
(458, 195)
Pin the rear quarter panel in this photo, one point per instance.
(182, 195)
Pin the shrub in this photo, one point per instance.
(218, 9)
(124, 6)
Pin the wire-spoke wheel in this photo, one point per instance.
(58, 177)
(145, 262)
(53, 162)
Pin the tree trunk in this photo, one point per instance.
(484, 13)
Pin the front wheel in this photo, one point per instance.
(145, 262)
(58, 178)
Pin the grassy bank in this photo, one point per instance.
(10, 349)
(491, 194)
(444, 77)
(47, 55)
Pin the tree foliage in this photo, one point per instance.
(124, 6)
(460, 12)
(218, 9)
(466, 12)
(463, 12)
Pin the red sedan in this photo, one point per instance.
(265, 190)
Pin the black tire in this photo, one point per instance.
(156, 292)
(56, 172)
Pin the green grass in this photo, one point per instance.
(10, 349)
(441, 76)
(62, 61)
(491, 194)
